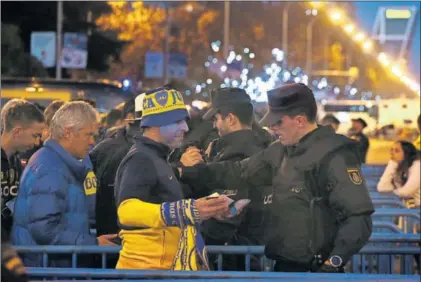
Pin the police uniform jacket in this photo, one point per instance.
(237, 146)
(341, 188)
(143, 182)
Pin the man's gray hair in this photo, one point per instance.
(76, 115)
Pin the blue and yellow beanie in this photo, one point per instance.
(163, 106)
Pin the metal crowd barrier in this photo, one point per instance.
(387, 245)
(366, 262)
(372, 175)
(381, 226)
(372, 169)
(232, 276)
(388, 203)
(408, 219)
(383, 195)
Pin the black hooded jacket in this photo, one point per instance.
(246, 227)
(106, 158)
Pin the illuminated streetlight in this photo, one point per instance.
(396, 71)
(316, 4)
(189, 8)
(336, 16)
(383, 59)
(359, 37)
(349, 28)
(368, 45)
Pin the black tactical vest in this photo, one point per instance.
(305, 224)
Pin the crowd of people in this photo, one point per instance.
(164, 182)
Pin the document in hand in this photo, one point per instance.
(235, 207)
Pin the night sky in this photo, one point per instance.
(366, 14)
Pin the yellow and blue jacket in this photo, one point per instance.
(154, 232)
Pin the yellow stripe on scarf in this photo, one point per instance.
(191, 252)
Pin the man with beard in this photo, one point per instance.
(158, 226)
(232, 115)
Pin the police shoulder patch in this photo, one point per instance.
(355, 176)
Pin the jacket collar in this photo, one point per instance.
(161, 149)
(236, 138)
(305, 142)
(79, 168)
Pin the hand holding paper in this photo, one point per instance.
(235, 208)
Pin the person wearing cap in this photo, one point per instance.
(330, 120)
(356, 133)
(232, 115)
(106, 157)
(321, 206)
(158, 226)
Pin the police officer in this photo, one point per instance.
(232, 115)
(356, 133)
(321, 204)
(332, 121)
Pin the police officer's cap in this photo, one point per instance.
(360, 120)
(286, 98)
(224, 97)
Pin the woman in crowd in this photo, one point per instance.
(402, 174)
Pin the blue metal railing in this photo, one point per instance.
(388, 203)
(379, 226)
(409, 218)
(233, 276)
(383, 195)
(385, 245)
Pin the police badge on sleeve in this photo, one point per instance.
(355, 176)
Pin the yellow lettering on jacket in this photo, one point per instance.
(90, 184)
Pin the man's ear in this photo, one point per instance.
(16, 131)
(231, 119)
(301, 120)
(68, 133)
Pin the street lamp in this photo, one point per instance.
(189, 8)
(309, 33)
(349, 28)
(59, 40)
(285, 34)
(335, 16)
(167, 42)
(367, 46)
(226, 28)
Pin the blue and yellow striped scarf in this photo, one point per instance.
(191, 253)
